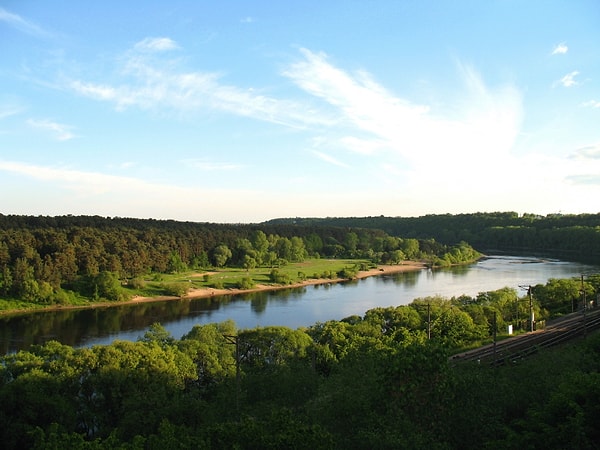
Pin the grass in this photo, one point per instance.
(159, 284)
(229, 278)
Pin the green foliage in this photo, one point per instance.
(40, 257)
(364, 382)
(246, 283)
(279, 277)
(348, 272)
(103, 285)
(177, 289)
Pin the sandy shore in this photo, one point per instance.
(210, 292)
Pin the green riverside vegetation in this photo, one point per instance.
(381, 380)
(375, 381)
(49, 261)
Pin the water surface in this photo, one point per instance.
(293, 308)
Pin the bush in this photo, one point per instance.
(280, 278)
(137, 283)
(348, 272)
(246, 283)
(177, 289)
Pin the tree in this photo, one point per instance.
(24, 283)
(175, 264)
(221, 254)
(261, 246)
(159, 334)
(105, 285)
(211, 351)
(351, 243)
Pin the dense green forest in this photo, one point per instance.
(576, 237)
(383, 380)
(56, 260)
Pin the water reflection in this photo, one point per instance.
(290, 307)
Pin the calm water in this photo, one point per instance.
(291, 307)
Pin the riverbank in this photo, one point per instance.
(195, 293)
(211, 292)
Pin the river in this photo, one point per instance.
(293, 308)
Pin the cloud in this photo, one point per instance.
(591, 104)
(330, 159)
(95, 91)
(60, 131)
(568, 80)
(588, 152)
(84, 182)
(585, 179)
(247, 19)
(89, 192)
(158, 84)
(485, 124)
(10, 110)
(21, 24)
(156, 44)
(560, 49)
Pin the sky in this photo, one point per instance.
(240, 112)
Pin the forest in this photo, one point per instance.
(381, 381)
(567, 236)
(62, 260)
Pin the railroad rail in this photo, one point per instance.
(516, 348)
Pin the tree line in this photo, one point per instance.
(381, 380)
(49, 260)
(573, 236)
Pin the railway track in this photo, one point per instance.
(516, 348)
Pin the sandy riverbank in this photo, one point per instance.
(210, 292)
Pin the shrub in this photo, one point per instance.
(280, 278)
(177, 289)
(246, 283)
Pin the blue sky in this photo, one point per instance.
(239, 111)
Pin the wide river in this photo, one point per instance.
(289, 307)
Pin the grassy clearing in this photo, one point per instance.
(231, 278)
(156, 285)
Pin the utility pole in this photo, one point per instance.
(531, 313)
(428, 321)
(495, 328)
(584, 308)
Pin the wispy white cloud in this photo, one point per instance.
(585, 179)
(91, 192)
(159, 44)
(84, 182)
(568, 80)
(60, 131)
(21, 24)
(485, 125)
(95, 91)
(591, 104)
(154, 84)
(10, 110)
(588, 152)
(330, 159)
(247, 19)
(560, 49)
